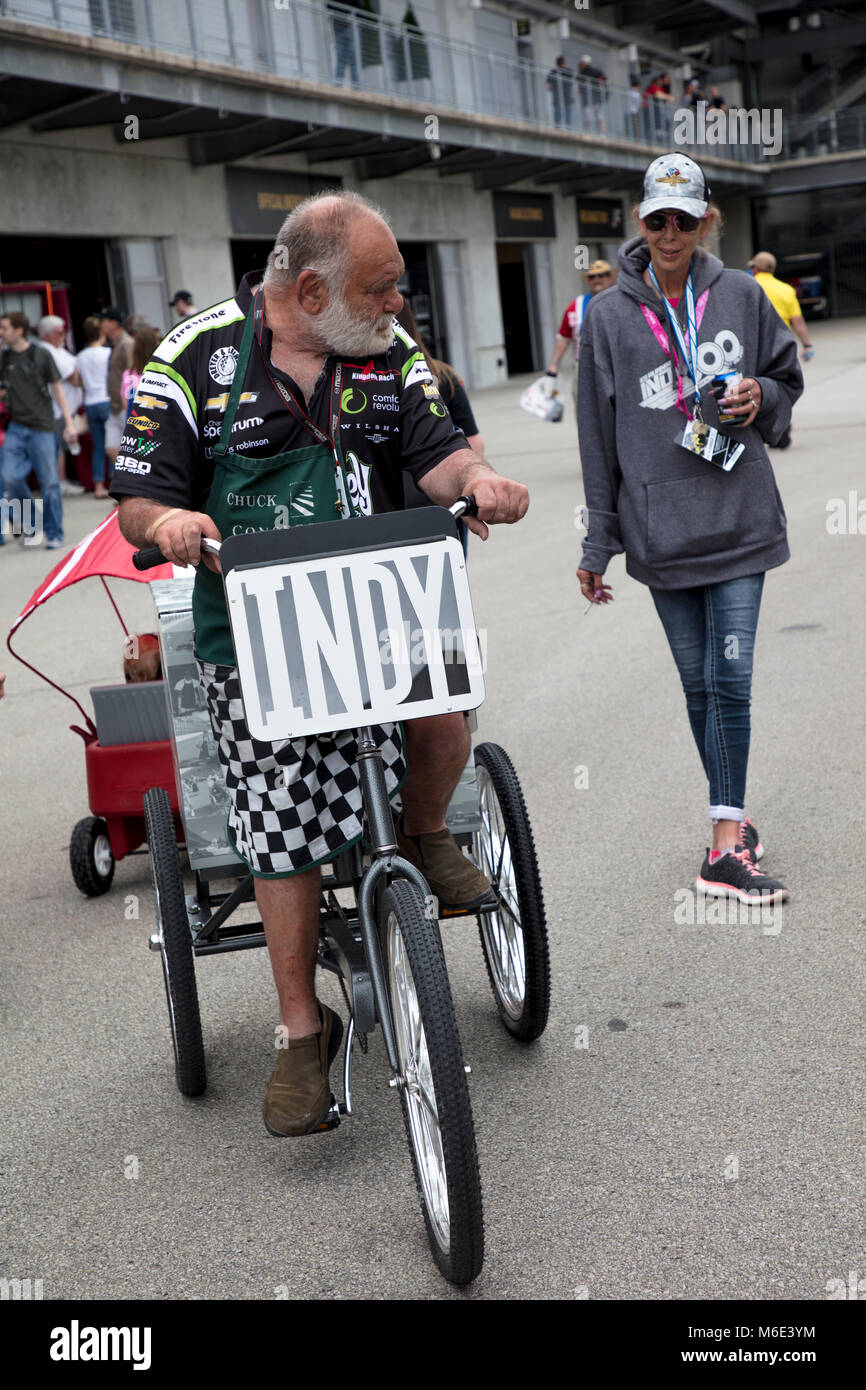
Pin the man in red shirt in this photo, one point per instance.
(599, 277)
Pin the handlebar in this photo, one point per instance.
(152, 556)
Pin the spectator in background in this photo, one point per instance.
(600, 276)
(343, 25)
(784, 300)
(593, 85)
(692, 93)
(28, 381)
(661, 99)
(112, 329)
(454, 398)
(451, 388)
(560, 84)
(143, 345)
(52, 335)
(92, 363)
(634, 105)
(716, 101)
(182, 304)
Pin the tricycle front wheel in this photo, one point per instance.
(432, 1083)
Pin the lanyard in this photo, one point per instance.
(300, 415)
(688, 346)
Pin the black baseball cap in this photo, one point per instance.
(180, 294)
(111, 311)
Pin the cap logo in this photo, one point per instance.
(672, 177)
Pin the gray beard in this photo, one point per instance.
(339, 331)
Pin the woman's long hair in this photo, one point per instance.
(144, 343)
(442, 371)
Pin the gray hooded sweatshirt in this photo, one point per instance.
(680, 520)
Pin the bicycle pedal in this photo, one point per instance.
(331, 1120)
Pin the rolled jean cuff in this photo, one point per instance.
(736, 813)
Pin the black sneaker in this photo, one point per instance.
(735, 876)
(751, 840)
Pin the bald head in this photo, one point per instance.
(764, 263)
(323, 233)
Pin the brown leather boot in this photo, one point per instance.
(298, 1097)
(453, 878)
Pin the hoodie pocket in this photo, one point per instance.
(713, 512)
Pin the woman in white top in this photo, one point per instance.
(93, 370)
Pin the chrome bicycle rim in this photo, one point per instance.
(501, 930)
(418, 1089)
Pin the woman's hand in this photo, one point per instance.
(744, 402)
(593, 588)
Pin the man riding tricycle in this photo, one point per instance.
(299, 402)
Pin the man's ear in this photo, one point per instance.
(311, 291)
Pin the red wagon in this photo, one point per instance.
(128, 749)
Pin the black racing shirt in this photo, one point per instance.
(392, 418)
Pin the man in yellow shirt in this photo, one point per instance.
(786, 304)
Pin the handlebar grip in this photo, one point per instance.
(470, 507)
(148, 558)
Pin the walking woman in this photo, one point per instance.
(681, 362)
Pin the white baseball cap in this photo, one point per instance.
(674, 181)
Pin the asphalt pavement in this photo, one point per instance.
(690, 1126)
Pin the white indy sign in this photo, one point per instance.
(342, 641)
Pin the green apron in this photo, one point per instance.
(294, 488)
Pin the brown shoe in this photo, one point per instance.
(298, 1097)
(453, 878)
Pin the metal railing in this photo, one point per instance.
(328, 43)
(834, 133)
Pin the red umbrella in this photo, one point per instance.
(103, 554)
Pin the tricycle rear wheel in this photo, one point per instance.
(514, 937)
(178, 962)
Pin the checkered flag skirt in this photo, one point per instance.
(295, 803)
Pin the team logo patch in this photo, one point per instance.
(220, 402)
(437, 408)
(142, 447)
(431, 391)
(222, 365)
(349, 401)
(419, 371)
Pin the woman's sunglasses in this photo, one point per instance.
(683, 221)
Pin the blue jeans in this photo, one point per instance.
(96, 418)
(344, 42)
(37, 449)
(711, 632)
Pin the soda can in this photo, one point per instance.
(723, 385)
